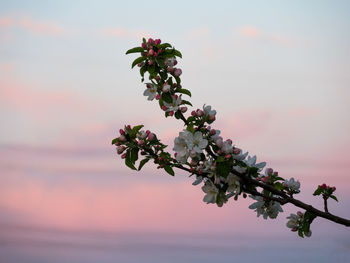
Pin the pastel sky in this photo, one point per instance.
(277, 72)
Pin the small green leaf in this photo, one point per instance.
(128, 161)
(143, 69)
(191, 118)
(137, 61)
(186, 102)
(177, 53)
(178, 80)
(223, 169)
(160, 62)
(134, 50)
(279, 186)
(177, 114)
(152, 69)
(164, 45)
(134, 155)
(300, 233)
(333, 197)
(134, 131)
(114, 140)
(220, 159)
(142, 163)
(167, 97)
(184, 91)
(318, 191)
(169, 170)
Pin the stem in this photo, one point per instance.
(325, 204)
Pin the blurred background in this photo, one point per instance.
(277, 72)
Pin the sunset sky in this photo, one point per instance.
(277, 73)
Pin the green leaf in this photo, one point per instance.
(142, 163)
(167, 97)
(178, 80)
(177, 53)
(135, 50)
(143, 69)
(279, 186)
(169, 170)
(164, 45)
(333, 197)
(191, 118)
(178, 114)
(300, 233)
(190, 128)
(163, 75)
(114, 140)
(137, 61)
(184, 91)
(220, 159)
(128, 161)
(135, 130)
(318, 191)
(152, 69)
(160, 62)
(223, 169)
(187, 102)
(134, 155)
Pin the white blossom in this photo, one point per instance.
(239, 169)
(196, 141)
(174, 105)
(251, 161)
(211, 192)
(198, 180)
(293, 185)
(150, 92)
(181, 147)
(208, 111)
(233, 183)
(265, 208)
(227, 147)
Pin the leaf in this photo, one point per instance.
(223, 169)
(220, 159)
(137, 61)
(164, 45)
(300, 233)
(142, 163)
(187, 102)
(152, 69)
(169, 170)
(160, 62)
(134, 50)
(177, 53)
(163, 75)
(178, 80)
(177, 114)
(167, 97)
(134, 155)
(191, 118)
(333, 197)
(318, 191)
(278, 186)
(184, 91)
(135, 130)
(114, 140)
(143, 69)
(128, 161)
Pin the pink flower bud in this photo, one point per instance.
(275, 173)
(265, 179)
(122, 132)
(164, 108)
(175, 154)
(157, 41)
(294, 229)
(199, 113)
(150, 62)
(170, 69)
(193, 113)
(228, 156)
(191, 169)
(323, 186)
(160, 51)
(219, 152)
(229, 141)
(148, 86)
(128, 127)
(212, 118)
(148, 132)
(155, 54)
(123, 156)
(139, 65)
(177, 72)
(175, 96)
(120, 149)
(122, 138)
(171, 113)
(236, 151)
(219, 142)
(150, 41)
(157, 78)
(175, 63)
(269, 171)
(200, 171)
(150, 136)
(333, 188)
(140, 142)
(212, 132)
(183, 109)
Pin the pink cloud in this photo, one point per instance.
(124, 33)
(38, 27)
(249, 31)
(254, 32)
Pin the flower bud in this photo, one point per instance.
(128, 127)
(333, 188)
(323, 186)
(212, 118)
(150, 41)
(294, 229)
(160, 51)
(123, 156)
(193, 113)
(228, 156)
(275, 173)
(122, 138)
(269, 171)
(177, 72)
(150, 136)
(171, 113)
(122, 132)
(170, 69)
(157, 78)
(265, 179)
(219, 142)
(144, 46)
(183, 109)
(120, 149)
(157, 41)
(150, 62)
(166, 87)
(199, 113)
(236, 151)
(157, 96)
(219, 152)
(164, 108)
(229, 141)
(139, 65)
(175, 63)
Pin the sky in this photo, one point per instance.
(276, 72)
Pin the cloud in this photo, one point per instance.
(124, 33)
(253, 32)
(37, 27)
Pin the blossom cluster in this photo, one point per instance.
(223, 169)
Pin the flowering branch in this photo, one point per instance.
(224, 169)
